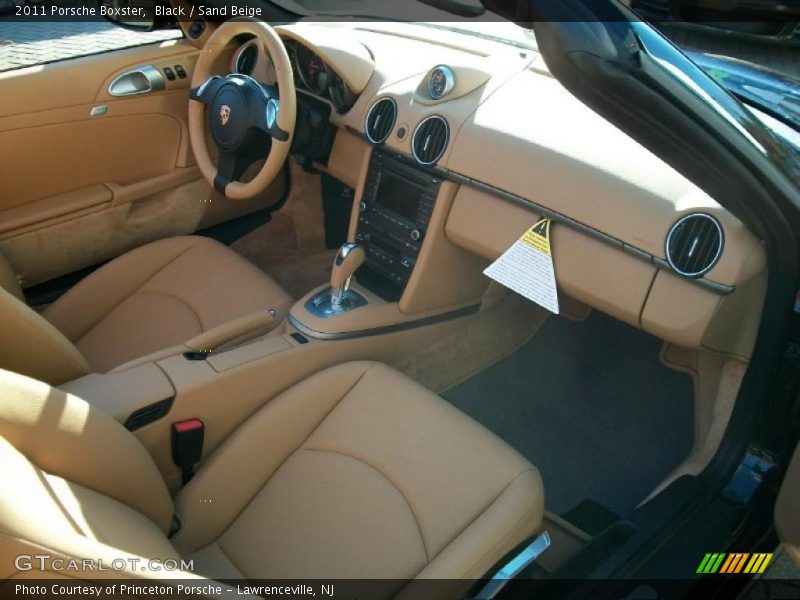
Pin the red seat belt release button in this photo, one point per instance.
(187, 446)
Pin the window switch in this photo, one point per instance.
(170, 74)
(180, 71)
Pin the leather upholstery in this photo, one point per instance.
(157, 296)
(62, 435)
(33, 347)
(360, 447)
(42, 513)
(28, 338)
(355, 472)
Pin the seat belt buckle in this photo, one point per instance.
(187, 446)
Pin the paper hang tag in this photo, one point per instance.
(527, 267)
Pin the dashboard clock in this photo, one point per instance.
(441, 82)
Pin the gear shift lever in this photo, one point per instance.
(349, 258)
(339, 299)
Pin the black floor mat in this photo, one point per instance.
(591, 406)
(591, 517)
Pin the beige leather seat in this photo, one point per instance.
(356, 472)
(157, 296)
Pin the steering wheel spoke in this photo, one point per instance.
(265, 117)
(267, 120)
(232, 165)
(205, 91)
(229, 169)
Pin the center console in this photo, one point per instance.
(395, 210)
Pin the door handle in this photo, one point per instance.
(140, 80)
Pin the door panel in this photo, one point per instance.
(87, 175)
(787, 509)
(71, 156)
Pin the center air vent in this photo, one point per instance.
(694, 245)
(430, 140)
(380, 120)
(247, 60)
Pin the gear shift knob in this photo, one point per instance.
(350, 257)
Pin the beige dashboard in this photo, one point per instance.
(520, 146)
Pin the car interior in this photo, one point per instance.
(286, 240)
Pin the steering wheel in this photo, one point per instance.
(246, 117)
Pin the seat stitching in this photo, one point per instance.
(141, 292)
(454, 581)
(508, 532)
(290, 454)
(174, 297)
(144, 283)
(387, 478)
(484, 509)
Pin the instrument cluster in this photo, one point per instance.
(313, 75)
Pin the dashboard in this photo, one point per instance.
(632, 237)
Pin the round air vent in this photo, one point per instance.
(430, 140)
(380, 120)
(694, 245)
(246, 60)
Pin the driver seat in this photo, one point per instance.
(151, 300)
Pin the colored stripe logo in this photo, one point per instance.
(732, 563)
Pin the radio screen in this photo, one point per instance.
(398, 196)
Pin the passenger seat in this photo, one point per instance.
(149, 300)
(356, 472)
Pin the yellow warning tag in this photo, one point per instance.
(527, 267)
(538, 236)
